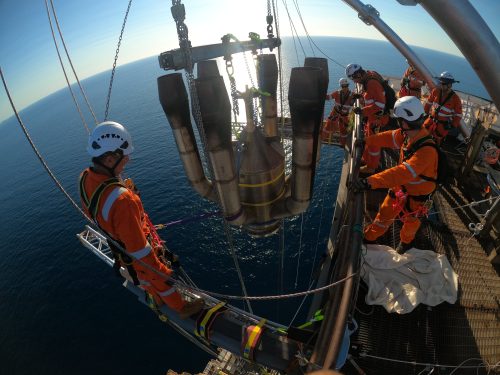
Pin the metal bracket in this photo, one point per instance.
(369, 13)
(175, 59)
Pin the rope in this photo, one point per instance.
(28, 137)
(270, 297)
(300, 248)
(294, 32)
(475, 203)
(61, 188)
(71, 63)
(64, 70)
(455, 367)
(323, 188)
(114, 62)
(187, 220)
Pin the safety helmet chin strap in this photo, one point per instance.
(112, 169)
(413, 125)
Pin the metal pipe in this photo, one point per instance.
(371, 17)
(473, 37)
(174, 101)
(306, 108)
(215, 112)
(267, 75)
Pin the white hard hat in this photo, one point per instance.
(446, 77)
(343, 82)
(408, 108)
(109, 136)
(352, 69)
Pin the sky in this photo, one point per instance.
(91, 28)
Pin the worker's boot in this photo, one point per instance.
(191, 308)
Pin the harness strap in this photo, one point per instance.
(251, 339)
(92, 206)
(206, 319)
(441, 104)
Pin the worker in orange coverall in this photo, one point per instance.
(375, 118)
(444, 108)
(411, 182)
(338, 120)
(118, 211)
(411, 83)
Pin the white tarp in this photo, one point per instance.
(401, 282)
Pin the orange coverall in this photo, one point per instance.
(121, 215)
(449, 114)
(415, 83)
(404, 177)
(338, 121)
(374, 103)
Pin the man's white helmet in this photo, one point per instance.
(409, 108)
(109, 136)
(352, 69)
(446, 77)
(343, 82)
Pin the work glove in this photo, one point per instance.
(360, 184)
(356, 96)
(357, 110)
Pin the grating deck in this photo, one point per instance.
(445, 334)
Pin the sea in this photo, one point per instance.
(62, 310)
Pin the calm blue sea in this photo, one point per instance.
(62, 310)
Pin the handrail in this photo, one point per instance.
(337, 309)
(369, 15)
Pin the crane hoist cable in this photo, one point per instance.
(185, 46)
(71, 62)
(64, 70)
(116, 59)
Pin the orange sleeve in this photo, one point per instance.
(424, 161)
(374, 98)
(126, 216)
(389, 139)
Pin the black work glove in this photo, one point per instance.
(360, 184)
(357, 110)
(356, 96)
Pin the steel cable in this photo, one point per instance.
(71, 62)
(64, 70)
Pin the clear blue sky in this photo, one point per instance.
(91, 28)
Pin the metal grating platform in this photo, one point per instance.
(445, 334)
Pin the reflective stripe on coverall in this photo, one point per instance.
(121, 215)
(449, 115)
(416, 81)
(406, 176)
(374, 103)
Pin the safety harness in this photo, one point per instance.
(401, 197)
(92, 206)
(435, 115)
